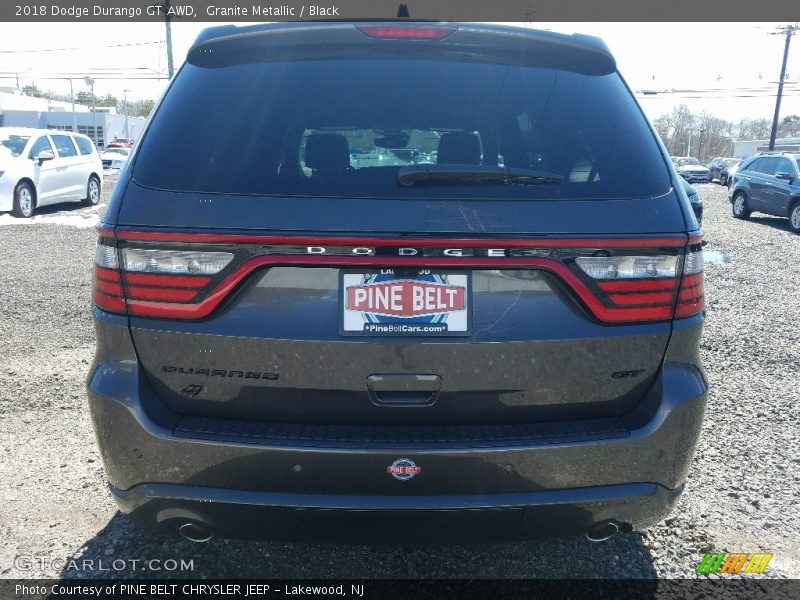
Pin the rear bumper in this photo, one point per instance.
(397, 519)
(260, 487)
(696, 178)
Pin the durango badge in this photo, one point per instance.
(403, 469)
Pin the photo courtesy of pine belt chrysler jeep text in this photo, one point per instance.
(397, 282)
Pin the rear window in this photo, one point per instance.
(12, 143)
(343, 128)
(64, 145)
(84, 145)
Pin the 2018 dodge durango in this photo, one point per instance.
(497, 342)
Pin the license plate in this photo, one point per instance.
(393, 302)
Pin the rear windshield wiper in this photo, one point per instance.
(472, 175)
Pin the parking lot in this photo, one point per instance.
(743, 493)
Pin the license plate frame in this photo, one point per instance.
(454, 321)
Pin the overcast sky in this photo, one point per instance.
(728, 69)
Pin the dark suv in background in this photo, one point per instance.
(720, 169)
(768, 183)
(498, 342)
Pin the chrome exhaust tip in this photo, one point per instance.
(602, 531)
(195, 532)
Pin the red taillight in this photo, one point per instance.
(636, 299)
(408, 32)
(166, 294)
(107, 289)
(141, 281)
(691, 298)
(632, 288)
(647, 287)
(638, 285)
(161, 280)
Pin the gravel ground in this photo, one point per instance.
(742, 493)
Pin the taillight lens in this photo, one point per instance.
(691, 299)
(645, 288)
(146, 276)
(107, 289)
(628, 267)
(174, 262)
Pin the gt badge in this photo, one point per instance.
(403, 469)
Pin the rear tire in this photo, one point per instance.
(740, 210)
(723, 180)
(23, 201)
(92, 192)
(794, 217)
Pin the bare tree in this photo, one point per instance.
(675, 128)
(714, 136)
(754, 129)
(789, 126)
(707, 136)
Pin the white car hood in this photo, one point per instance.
(693, 168)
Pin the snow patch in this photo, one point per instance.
(88, 218)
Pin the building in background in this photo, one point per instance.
(26, 111)
(744, 149)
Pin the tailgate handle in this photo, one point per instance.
(401, 389)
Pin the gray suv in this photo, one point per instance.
(768, 183)
(397, 282)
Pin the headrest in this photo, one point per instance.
(327, 152)
(459, 148)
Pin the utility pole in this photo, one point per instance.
(167, 19)
(789, 32)
(700, 144)
(74, 116)
(164, 8)
(90, 82)
(126, 113)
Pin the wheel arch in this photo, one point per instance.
(740, 190)
(97, 177)
(793, 201)
(32, 185)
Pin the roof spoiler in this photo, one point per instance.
(310, 40)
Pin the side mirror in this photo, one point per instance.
(784, 175)
(44, 155)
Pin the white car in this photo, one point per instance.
(45, 166)
(691, 169)
(114, 159)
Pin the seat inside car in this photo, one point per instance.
(327, 154)
(459, 148)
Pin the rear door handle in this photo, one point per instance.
(403, 389)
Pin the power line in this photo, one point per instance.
(72, 49)
(99, 77)
(667, 97)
